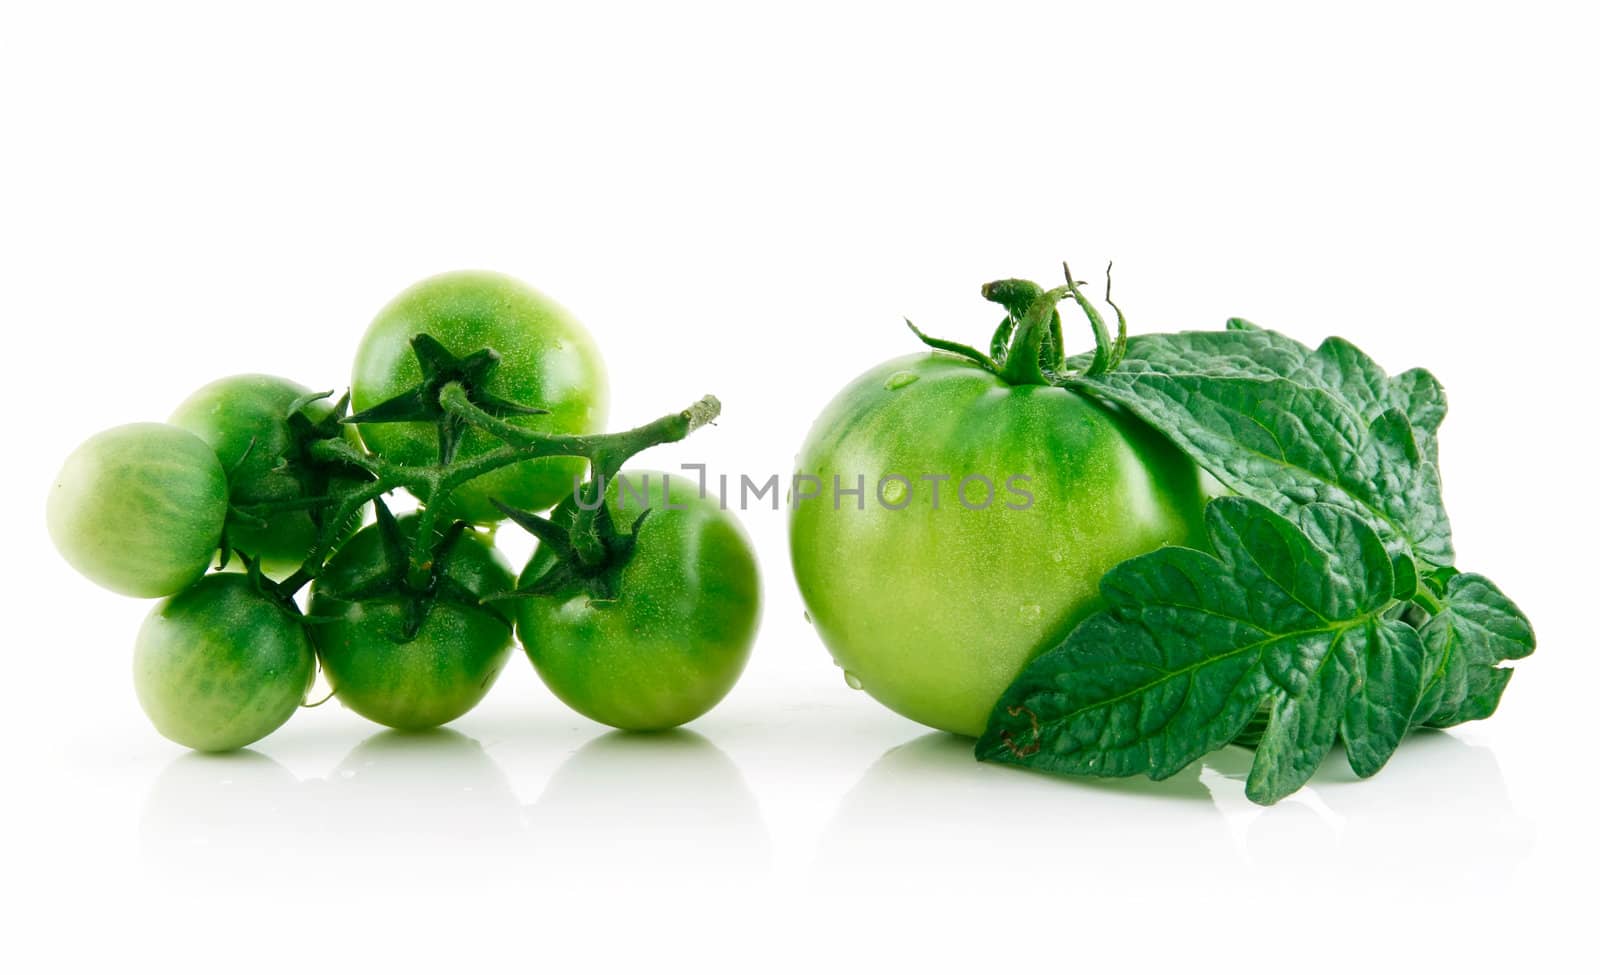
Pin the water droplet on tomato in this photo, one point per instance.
(852, 681)
(893, 491)
(900, 380)
(1032, 611)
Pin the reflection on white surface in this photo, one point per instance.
(926, 811)
(648, 812)
(395, 802)
(432, 793)
(667, 805)
(1439, 816)
(235, 813)
(400, 807)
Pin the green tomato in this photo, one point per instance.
(440, 673)
(139, 509)
(677, 636)
(220, 665)
(933, 594)
(547, 360)
(245, 419)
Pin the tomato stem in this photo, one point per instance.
(593, 538)
(432, 484)
(1027, 349)
(1427, 600)
(1022, 367)
(348, 505)
(1016, 296)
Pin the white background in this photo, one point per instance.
(745, 202)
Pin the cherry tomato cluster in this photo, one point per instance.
(257, 515)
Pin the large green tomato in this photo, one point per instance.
(139, 509)
(245, 419)
(220, 665)
(547, 360)
(435, 676)
(988, 515)
(678, 634)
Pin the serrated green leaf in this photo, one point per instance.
(1285, 616)
(1288, 426)
(1379, 711)
(1478, 629)
(1302, 727)
(1419, 394)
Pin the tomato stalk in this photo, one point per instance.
(345, 508)
(1027, 349)
(592, 543)
(1424, 598)
(432, 484)
(1017, 296)
(1022, 366)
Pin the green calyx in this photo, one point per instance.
(1027, 348)
(274, 592)
(316, 473)
(398, 580)
(422, 403)
(589, 552)
(588, 546)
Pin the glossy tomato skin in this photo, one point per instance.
(678, 635)
(433, 678)
(245, 419)
(139, 509)
(219, 665)
(548, 360)
(935, 611)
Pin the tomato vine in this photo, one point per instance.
(453, 406)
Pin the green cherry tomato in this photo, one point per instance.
(677, 636)
(245, 419)
(547, 360)
(139, 509)
(220, 665)
(987, 516)
(435, 676)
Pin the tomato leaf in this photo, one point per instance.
(1287, 616)
(1478, 629)
(1383, 707)
(1287, 425)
